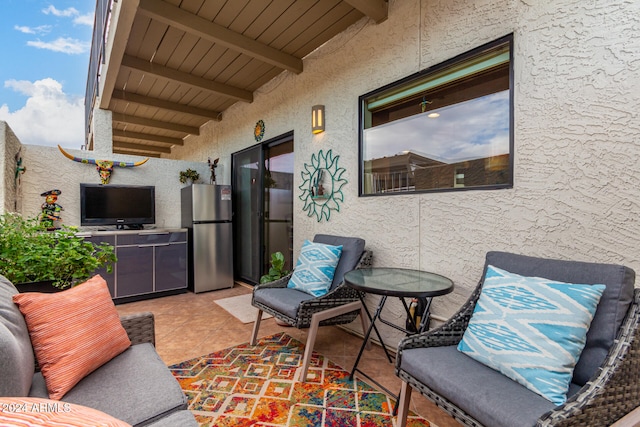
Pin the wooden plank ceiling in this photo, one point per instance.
(177, 64)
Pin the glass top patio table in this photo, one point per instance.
(398, 282)
(394, 282)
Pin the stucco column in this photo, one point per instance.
(102, 134)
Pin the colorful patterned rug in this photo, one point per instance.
(258, 386)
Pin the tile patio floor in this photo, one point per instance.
(190, 325)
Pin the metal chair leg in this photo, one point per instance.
(403, 405)
(313, 330)
(256, 327)
(308, 348)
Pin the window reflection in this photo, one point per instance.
(447, 129)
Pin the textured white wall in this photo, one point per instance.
(9, 147)
(577, 178)
(102, 127)
(48, 169)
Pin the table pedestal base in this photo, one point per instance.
(372, 326)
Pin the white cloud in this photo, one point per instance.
(49, 117)
(70, 12)
(42, 29)
(66, 45)
(84, 19)
(63, 44)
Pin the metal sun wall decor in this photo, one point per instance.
(258, 131)
(104, 167)
(322, 185)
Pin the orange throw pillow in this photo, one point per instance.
(32, 411)
(73, 332)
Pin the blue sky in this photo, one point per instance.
(44, 51)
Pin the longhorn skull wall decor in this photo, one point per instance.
(104, 167)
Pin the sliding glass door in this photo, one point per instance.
(246, 187)
(263, 206)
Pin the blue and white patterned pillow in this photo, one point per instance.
(531, 329)
(315, 268)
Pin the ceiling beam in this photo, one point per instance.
(165, 105)
(142, 147)
(147, 137)
(134, 152)
(157, 70)
(141, 121)
(374, 9)
(193, 24)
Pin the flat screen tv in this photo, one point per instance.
(131, 205)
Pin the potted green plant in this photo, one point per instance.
(29, 253)
(189, 175)
(277, 270)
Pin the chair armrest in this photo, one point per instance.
(449, 333)
(366, 259)
(280, 283)
(140, 327)
(614, 390)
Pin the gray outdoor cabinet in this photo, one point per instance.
(109, 277)
(150, 262)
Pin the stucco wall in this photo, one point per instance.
(49, 169)
(577, 178)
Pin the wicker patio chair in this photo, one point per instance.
(140, 327)
(609, 391)
(341, 305)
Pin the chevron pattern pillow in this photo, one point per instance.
(531, 329)
(315, 268)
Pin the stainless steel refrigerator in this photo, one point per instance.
(206, 213)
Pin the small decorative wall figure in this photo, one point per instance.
(50, 209)
(212, 166)
(322, 184)
(20, 169)
(104, 167)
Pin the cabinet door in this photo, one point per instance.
(171, 266)
(109, 277)
(134, 270)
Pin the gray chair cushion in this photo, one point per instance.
(135, 387)
(612, 308)
(17, 364)
(282, 300)
(176, 419)
(492, 398)
(352, 248)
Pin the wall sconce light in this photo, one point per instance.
(317, 119)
